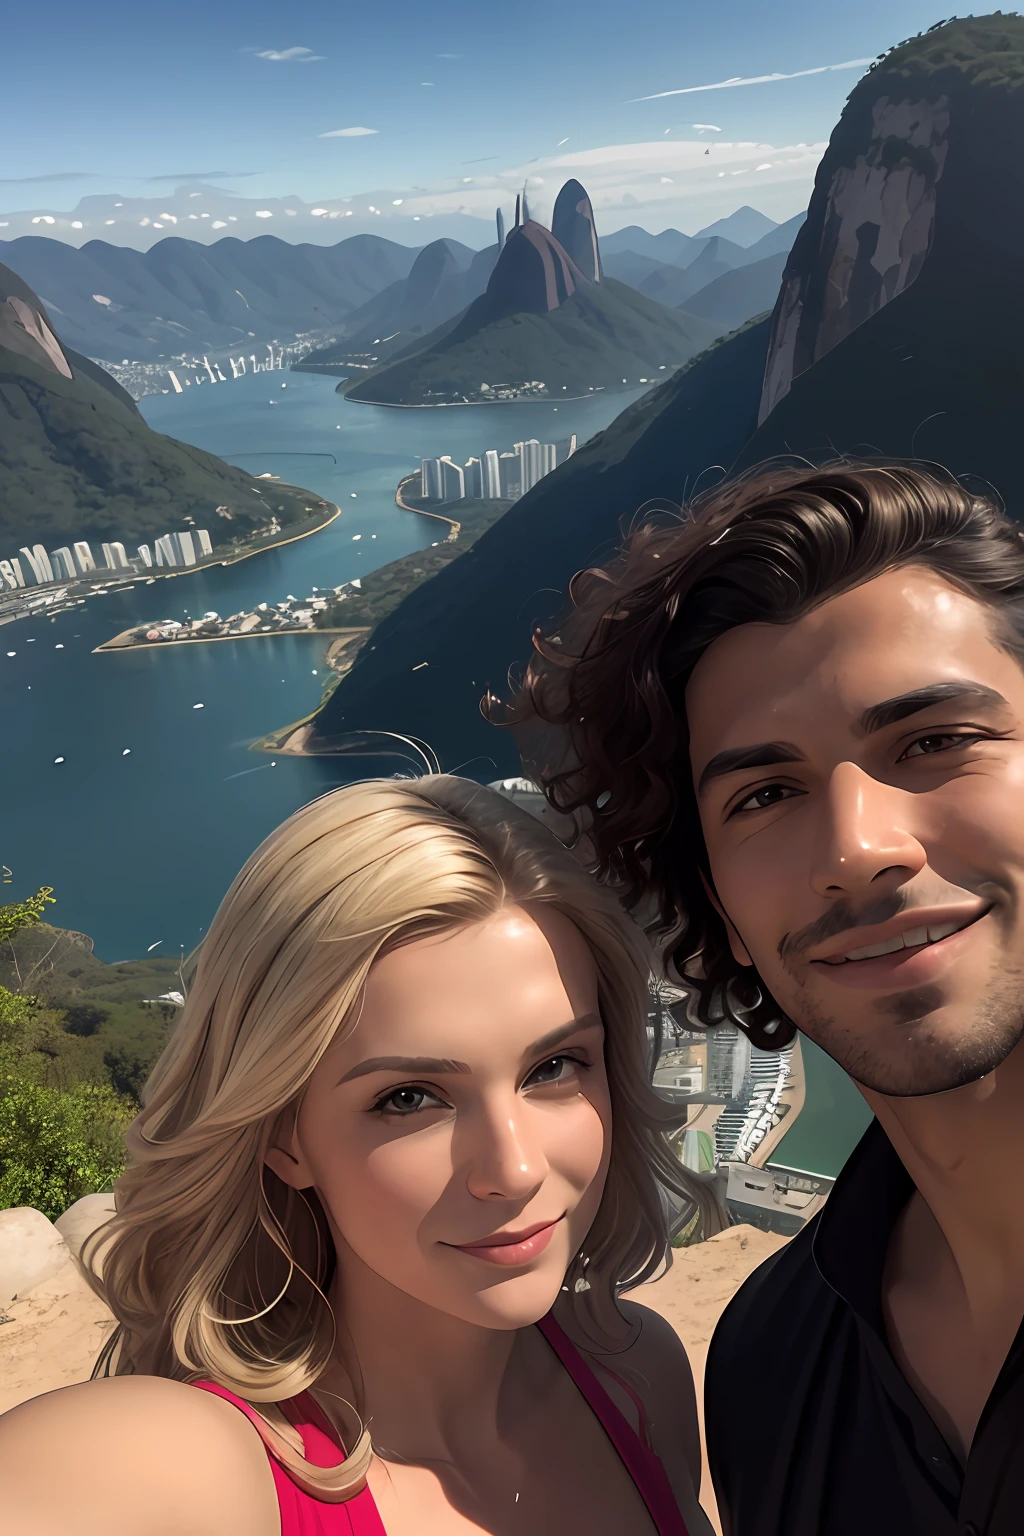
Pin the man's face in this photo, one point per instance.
(860, 779)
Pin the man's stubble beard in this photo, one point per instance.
(906, 1056)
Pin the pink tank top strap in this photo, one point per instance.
(301, 1513)
(640, 1461)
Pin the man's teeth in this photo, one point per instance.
(908, 940)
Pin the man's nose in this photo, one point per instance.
(865, 831)
(503, 1153)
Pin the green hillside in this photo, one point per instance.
(604, 336)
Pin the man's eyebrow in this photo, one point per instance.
(764, 755)
(878, 716)
(438, 1066)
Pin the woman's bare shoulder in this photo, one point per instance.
(135, 1454)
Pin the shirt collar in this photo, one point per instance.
(852, 1235)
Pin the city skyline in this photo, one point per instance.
(400, 108)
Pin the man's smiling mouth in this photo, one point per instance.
(910, 938)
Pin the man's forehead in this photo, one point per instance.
(902, 631)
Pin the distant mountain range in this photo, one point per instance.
(77, 461)
(183, 297)
(113, 303)
(896, 332)
(542, 317)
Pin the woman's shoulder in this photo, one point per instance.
(134, 1454)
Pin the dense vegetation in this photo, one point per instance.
(77, 1041)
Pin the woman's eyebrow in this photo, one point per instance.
(416, 1066)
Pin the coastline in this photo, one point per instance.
(448, 405)
(119, 643)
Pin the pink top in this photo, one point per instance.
(304, 1515)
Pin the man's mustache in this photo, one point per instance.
(842, 917)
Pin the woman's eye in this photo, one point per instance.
(764, 798)
(406, 1101)
(557, 1069)
(941, 741)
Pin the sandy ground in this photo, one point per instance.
(55, 1331)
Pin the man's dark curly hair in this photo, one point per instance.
(600, 715)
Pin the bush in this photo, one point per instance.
(57, 1145)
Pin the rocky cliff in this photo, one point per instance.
(572, 225)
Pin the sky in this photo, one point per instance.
(447, 105)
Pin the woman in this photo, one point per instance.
(378, 1150)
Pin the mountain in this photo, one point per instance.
(540, 319)
(630, 267)
(743, 227)
(77, 461)
(673, 285)
(897, 331)
(667, 247)
(112, 302)
(779, 239)
(737, 295)
(572, 225)
(444, 279)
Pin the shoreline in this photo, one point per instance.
(447, 405)
(249, 634)
(80, 590)
(454, 526)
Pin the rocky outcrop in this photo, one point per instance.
(533, 274)
(31, 1251)
(572, 224)
(915, 179)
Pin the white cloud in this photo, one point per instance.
(264, 213)
(721, 85)
(704, 127)
(290, 55)
(561, 142)
(347, 133)
(426, 82)
(219, 224)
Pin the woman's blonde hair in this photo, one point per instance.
(213, 1267)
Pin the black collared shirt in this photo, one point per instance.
(812, 1428)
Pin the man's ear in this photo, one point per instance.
(736, 944)
(284, 1156)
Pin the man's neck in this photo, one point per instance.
(954, 1273)
(958, 1147)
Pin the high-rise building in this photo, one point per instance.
(62, 563)
(509, 471)
(474, 477)
(184, 550)
(530, 461)
(163, 549)
(547, 458)
(728, 1061)
(114, 557)
(491, 475)
(501, 228)
(430, 479)
(572, 445)
(83, 554)
(145, 554)
(201, 542)
(38, 562)
(453, 481)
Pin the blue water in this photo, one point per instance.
(140, 848)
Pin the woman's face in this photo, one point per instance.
(459, 1137)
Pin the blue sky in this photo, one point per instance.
(104, 98)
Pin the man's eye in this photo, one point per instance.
(764, 798)
(940, 741)
(406, 1101)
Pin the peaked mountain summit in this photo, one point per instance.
(572, 225)
(542, 321)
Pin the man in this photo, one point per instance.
(796, 722)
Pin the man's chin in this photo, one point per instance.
(928, 1056)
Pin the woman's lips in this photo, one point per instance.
(510, 1253)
